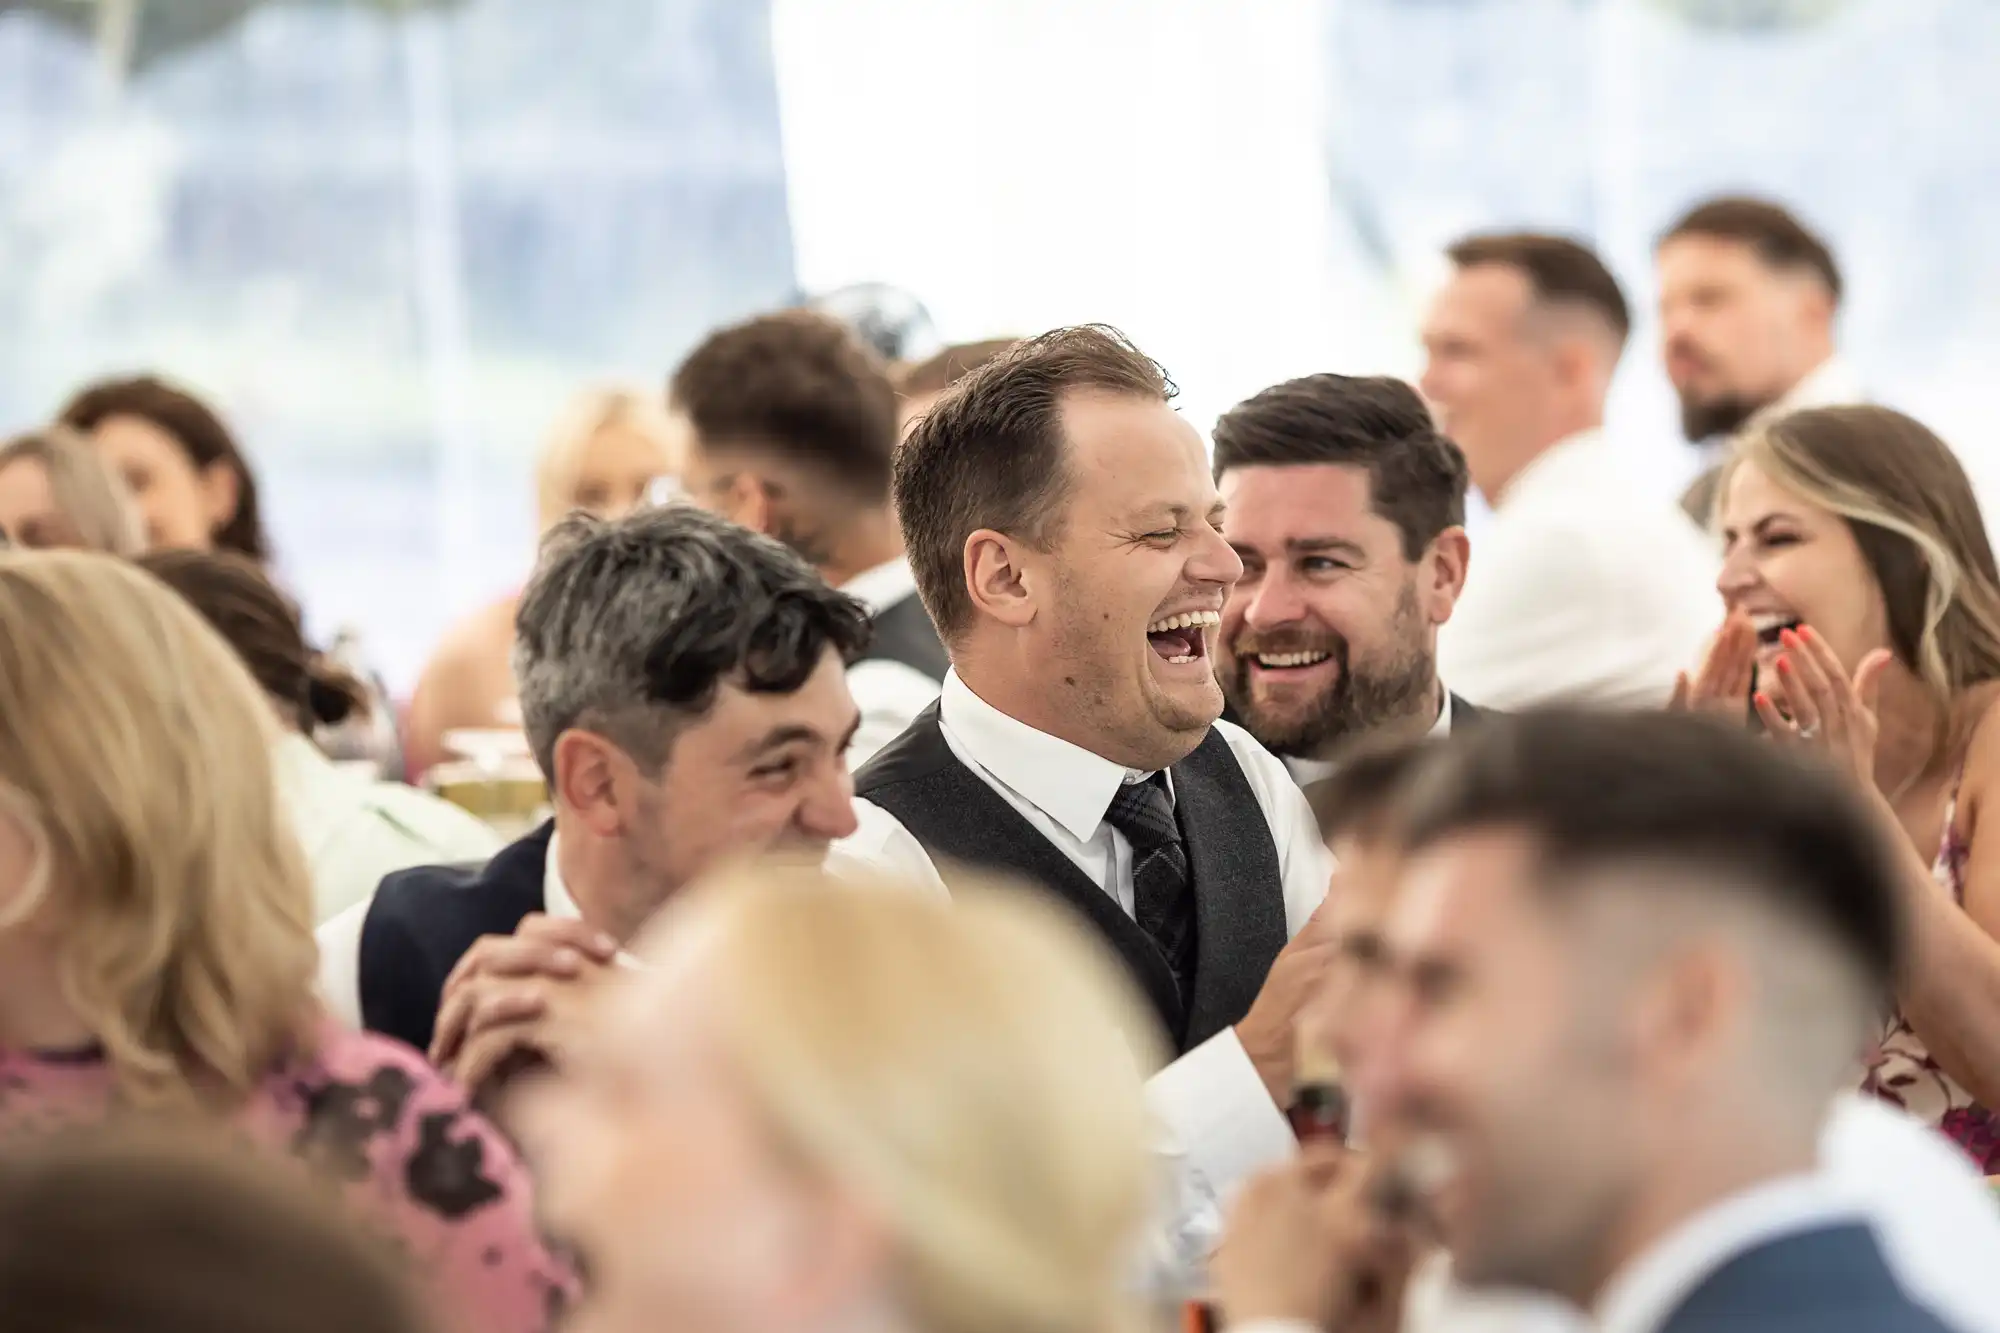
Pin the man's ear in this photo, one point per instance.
(999, 579)
(1446, 565)
(746, 499)
(585, 780)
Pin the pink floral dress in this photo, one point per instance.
(1902, 1072)
(394, 1138)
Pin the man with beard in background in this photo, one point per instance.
(1347, 508)
(1748, 297)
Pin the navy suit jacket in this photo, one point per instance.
(1832, 1279)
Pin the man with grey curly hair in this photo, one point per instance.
(682, 684)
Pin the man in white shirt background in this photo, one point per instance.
(1347, 509)
(1620, 968)
(1063, 526)
(1587, 589)
(1748, 300)
(789, 424)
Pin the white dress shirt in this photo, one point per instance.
(355, 829)
(1584, 589)
(1933, 1215)
(1305, 772)
(889, 694)
(1220, 1123)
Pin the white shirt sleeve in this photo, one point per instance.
(340, 964)
(889, 696)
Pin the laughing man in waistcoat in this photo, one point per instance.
(1347, 508)
(788, 425)
(1064, 531)
(683, 684)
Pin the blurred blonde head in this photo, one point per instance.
(168, 887)
(963, 1075)
(604, 453)
(92, 509)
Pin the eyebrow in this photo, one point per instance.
(1311, 546)
(1179, 513)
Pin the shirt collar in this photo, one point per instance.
(1553, 466)
(1066, 782)
(1829, 384)
(883, 586)
(556, 901)
(1644, 1294)
(1305, 772)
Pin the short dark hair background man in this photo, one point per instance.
(1347, 508)
(1587, 589)
(683, 685)
(1748, 299)
(790, 424)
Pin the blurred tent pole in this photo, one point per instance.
(117, 30)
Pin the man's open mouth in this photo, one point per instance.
(1183, 638)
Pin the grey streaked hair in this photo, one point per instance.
(630, 625)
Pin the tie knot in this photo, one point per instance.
(1144, 813)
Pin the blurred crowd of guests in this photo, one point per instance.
(1001, 861)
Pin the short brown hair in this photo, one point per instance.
(935, 374)
(1361, 798)
(1558, 269)
(200, 434)
(991, 454)
(96, 512)
(798, 385)
(205, 1241)
(1779, 239)
(262, 624)
(1416, 477)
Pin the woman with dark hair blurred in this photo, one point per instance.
(354, 828)
(194, 487)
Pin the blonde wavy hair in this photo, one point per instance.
(136, 748)
(99, 514)
(971, 1066)
(1913, 513)
(587, 416)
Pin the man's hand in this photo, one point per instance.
(1295, 976)
(516, 995)
(1304, 1244)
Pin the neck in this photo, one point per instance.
(863, 543)
(1906, 744)
(1562, 426)
(1817, 355)
(34, 1015)
(1039, 699)
(610, 889)
(1692, 1176)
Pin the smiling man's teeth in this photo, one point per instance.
(1186, 620)
(1291, 659)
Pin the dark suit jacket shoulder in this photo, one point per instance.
(1832, 1279)
(422, 920)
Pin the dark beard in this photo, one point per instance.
(1716, 418)
(1358, 703)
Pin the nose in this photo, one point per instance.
(1215, 561)
(1738, 577)
(1273, 601)
(827, 812)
